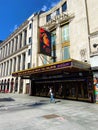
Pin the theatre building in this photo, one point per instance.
(56, 54)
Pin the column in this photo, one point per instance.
(21, 62)
(58, 42)
(2, 69)
(12, 65)
(14, 41)
(24, 86)
(16, 63)
(5, 68)
(23, 34)
(11, 47)
(18, 46)
(19, 84)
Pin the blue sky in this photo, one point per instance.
(14, 12)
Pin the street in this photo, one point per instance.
(24, 112)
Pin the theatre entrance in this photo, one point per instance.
(72, 89)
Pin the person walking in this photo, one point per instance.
(51, 95)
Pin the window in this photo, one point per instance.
(19, 62)
(20, 40)
(57, 12)
(16, 43)
(48, 18)
(29, 65)
(30, 25)
(14, 64)
(45, 59)
(30, 39)
(29, 51)
(53, 38)
(66, 54)
(65, 33)
(24, 59)
(64, 7)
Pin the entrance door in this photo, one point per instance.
(70, 90)
(82, 91)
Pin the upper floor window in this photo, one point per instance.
(29, 65)
(16, 43)
(48, 17)
(57, 11)
(64, 7)
(29, 51)
(20, 40)
(30, 25)
(30, 39)
(45, 59)
(65, 33)
(66, 54)
(53, 38)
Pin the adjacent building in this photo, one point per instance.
(56, 48)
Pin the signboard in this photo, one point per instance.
(44, 42)
(43, 69)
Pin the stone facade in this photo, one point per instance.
(77, 19)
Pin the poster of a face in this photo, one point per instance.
(45, 42)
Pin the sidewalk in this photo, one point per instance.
(23, 112)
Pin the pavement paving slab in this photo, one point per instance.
(24, 112)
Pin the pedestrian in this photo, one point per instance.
(51, 95)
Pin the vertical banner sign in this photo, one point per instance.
(44, 42)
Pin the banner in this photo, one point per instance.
(44, 42)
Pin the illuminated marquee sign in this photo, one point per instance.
(43, 69)
(55, 66)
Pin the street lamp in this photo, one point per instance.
(95, 45)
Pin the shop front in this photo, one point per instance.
(69, 79)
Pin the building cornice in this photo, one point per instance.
(15, 32)
(54, 8)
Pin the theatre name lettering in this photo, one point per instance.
(42, 69)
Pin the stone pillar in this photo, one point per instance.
(23, 34)
(18, 46)
(24, 86)
(11, 47)
(12, 65)
(16, 63)
(14, 44)
(5, 69)
(21, 63)
(19, 84)
(58, 43)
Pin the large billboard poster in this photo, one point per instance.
(44, 42)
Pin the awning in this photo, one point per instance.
(69, 65)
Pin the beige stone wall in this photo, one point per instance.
(92, 6)
(78, 30)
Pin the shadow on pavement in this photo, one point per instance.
(37, 104)
(6, 99)
(42, 102)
